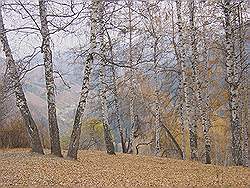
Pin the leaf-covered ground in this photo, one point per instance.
(95, 169)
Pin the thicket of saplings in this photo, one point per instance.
(14, 135)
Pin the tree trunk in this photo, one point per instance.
(244, 84)
(50, 84)
(185, 107)
(157, 101)
(21, 101)
(101, 48)
(76, 132)
(198, 86)
(132, 97)
(157, 124)
(117, 109)
(107, 133)
(232, 78)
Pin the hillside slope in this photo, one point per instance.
(19, 167)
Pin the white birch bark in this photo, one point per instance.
(117, 110)
(21, 101)
(185, 107)
(101, 49)
(198, 85)
(244, 102)
(76, 132)
(232, 78)
(107, 131)
(50, 84)
(115, 92)
(132, 97)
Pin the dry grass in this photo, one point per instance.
(95, 169)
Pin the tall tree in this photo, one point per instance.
(197, 82)
(185, 109)
(101, 49)
(244, 85)
(76, 132)
(21, 101)
(50, 83)
(115, 92)
(232, 78)
(131, 80)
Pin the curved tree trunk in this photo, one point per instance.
(21, 101)
(76, 132)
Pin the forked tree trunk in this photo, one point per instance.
(21, 101)
(76, 132)
(50, 84)
(198, 86)
(232, 77)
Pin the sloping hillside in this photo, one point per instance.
(19, 167)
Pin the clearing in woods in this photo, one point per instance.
(95, 169)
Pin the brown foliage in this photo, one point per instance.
(14, 135)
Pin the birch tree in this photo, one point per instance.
(21, 101)
(232, 78)
(101, 49)
(132, 91)
(184, 106)
(50, 83)
(115, 92)
(76, 132)
(155, 29)
(244, 79)
(197, 83)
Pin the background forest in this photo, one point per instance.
(148, 77)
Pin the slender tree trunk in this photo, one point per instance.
(185, 106)
(132, 97)
(205, 91)
(157, 124)
(244, 104)
(198, 85)
(50, 84)
(117, 110)
(232, 77)
(107, 132)
(76, 132)
(101, 48)
(115, 91)
(21, 101)
(157, 101)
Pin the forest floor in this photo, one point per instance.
(95, 169)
